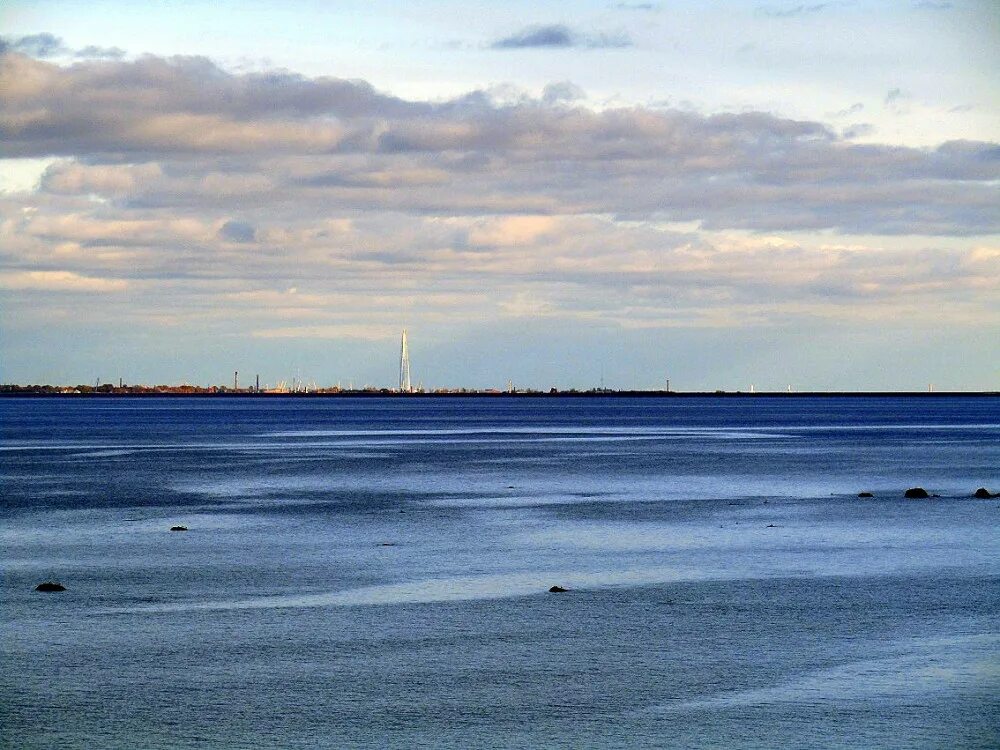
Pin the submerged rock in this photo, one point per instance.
(178, 528)
(916, 493)
(983, 494)
(865, 494)
(557, 590)
(50, 586)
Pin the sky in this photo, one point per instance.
(556, 193)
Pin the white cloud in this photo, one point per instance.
(59, 281)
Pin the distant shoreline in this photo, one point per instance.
(506, 395)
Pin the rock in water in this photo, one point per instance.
(178, 528)
(50, 586)
(916, 493)
(557, 590)
(983, 494)
(865, 494)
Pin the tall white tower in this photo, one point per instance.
(404, 366)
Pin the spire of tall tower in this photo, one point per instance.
(404, 366)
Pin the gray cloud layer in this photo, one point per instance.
(331, 139)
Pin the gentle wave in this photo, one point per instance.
(963, 665)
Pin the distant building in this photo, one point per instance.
(404, 366)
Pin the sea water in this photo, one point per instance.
(374, 572)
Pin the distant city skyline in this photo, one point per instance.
(295, 382)
(558, 195)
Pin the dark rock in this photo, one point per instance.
(983, 494)
(865, 494)
(771, 526)
(178, 528)
(557, 590)
(50, 586)
(916, 493)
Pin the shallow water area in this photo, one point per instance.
(374, 572)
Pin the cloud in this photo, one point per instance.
(619, 262)
(35, 45)
(560, 36)
(59, 281)
(933, 5)
(563, 91)
(183, 134)
(510, 231)
(363, 331)
(237, 231)
(848, 111)
(73, 178)
(214, 193)
(858, 130)
(107, 53)
(46, 45)
(538, 36)
(896, 95)
(790, 11)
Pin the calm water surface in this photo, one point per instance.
(374, 573)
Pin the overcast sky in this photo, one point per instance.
(782, 193)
